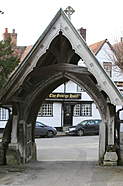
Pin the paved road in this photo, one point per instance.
(64, 161)
(68, 148)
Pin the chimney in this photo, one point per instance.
(6, 30)
(82, 32)
(12, 35)
(6, 35)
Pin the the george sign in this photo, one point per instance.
(65, 96)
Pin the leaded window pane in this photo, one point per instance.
(84, 109)
(4, 114)
(77, 110)
(46, 110)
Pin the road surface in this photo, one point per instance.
(63, 161)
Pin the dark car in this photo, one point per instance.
(42, 130)
(85, 127)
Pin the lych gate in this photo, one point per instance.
(52, 61)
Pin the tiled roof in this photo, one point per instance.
(25, 52)
(19, 51)
(97, 46)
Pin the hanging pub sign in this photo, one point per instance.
(64, 96)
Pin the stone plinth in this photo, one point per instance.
(13, 155)
(110, 159)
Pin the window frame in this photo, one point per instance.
(4, 114)
(42, 111)
(82, 110)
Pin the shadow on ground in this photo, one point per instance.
(63, 173)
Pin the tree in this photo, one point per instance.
(8, 60)
(118, 50)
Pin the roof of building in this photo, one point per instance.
(96, 47)
(19, 50)
(25, 52)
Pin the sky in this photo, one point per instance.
(102, 18)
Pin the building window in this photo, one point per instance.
(108, 68)
(46, 110)
(80, 89)
(77, 110)
(4, 114)
(84, 109)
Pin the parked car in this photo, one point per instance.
(42, 130)
(85, 127)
